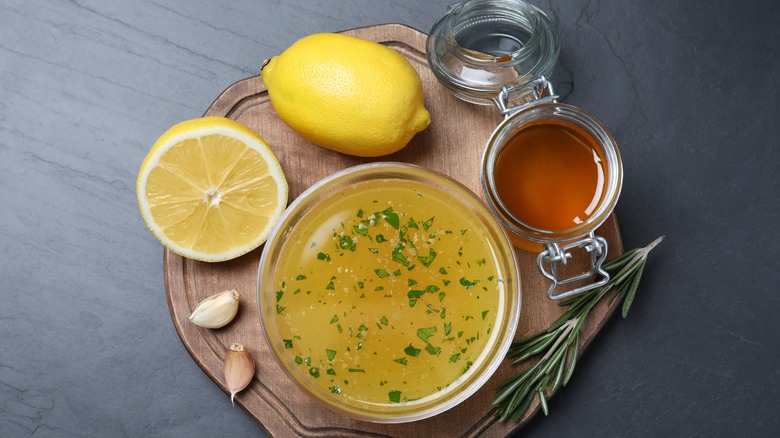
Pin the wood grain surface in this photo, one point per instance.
(453, 145)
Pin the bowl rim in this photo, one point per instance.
(467, 384)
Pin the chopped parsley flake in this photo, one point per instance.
(411, 351)
(331, 353)
(427, 224)
(323, 256)
(315, 372)
(426, 261)
(468, 284)
(425, 333)
(402, 360)
(300, 277)
(391, 217)
(381, 273)
(394, 396)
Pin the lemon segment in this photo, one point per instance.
(211, 189)
(347, 94)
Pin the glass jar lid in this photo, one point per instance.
(478, 46)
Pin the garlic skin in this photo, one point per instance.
(216, 311)
(239, 369)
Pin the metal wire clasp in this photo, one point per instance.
(541, 92)
(555, 254)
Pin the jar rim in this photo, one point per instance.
(549, 112)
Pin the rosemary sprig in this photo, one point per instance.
(560, 343)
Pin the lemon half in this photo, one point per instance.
(211, 189)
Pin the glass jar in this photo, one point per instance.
(480, 46)
(501, 52)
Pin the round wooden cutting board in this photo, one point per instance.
(452, 144)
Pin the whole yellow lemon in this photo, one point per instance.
(347, 94)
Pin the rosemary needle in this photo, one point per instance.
(560, 342)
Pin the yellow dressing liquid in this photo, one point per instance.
(388, 294)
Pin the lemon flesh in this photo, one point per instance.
(347, 94)
(211, 189)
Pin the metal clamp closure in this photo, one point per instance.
(542, 92)
(555, 254)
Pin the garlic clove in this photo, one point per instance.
(217, 310)
(239, 369)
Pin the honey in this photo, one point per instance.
(550, 175)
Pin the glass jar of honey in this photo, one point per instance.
(551, 173)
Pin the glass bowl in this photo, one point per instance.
(388, 292)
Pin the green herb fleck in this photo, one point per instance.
(383, 320)
(323, 256)
(402, 360)
(300, 277)
(356, 370)
(454, 357)
(380, 238)
(331, 372)
(394, 396)
(447, 328)
(287, 343)
(442, 271)
(412, 224)
(391, 217)
(315, 372)
(279, 294)
(484, 314)
(335, 319)
(329, 286)
(426, 261)
(468, 284)
(415, 293)
(427, 224)
(374, 250)
(381, 273)
(335, 389)
(279, 309)
(360, 213)
(346, 242)
(425, 333)
(331, 353)
(298, 360)
(411, 351)
(433, 351)
(411, 282)
(398, 256)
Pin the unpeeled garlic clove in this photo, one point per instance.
(217, 310)
(239, 369)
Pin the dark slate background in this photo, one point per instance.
(690, 90)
